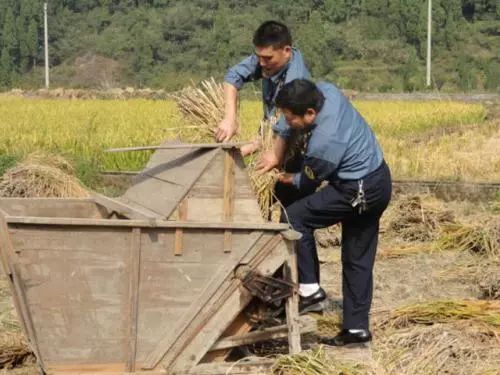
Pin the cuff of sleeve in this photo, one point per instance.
(233, 79)
(296, 180)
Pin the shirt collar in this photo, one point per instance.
(278, 75)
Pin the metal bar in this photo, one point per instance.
(180, 145)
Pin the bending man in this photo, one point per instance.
(342, 150)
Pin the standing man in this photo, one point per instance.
(342, 150)
(276, 62)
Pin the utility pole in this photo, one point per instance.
(429, 32)
(46, 46)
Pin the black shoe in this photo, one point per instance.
(312, 303)
(345, 338)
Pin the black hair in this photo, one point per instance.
(298, 96)
(272, 33)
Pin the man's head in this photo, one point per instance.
(300, 100)
(273, 47)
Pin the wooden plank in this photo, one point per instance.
(95, 369)
(78, 299)
(212, 209)
(135, 269)
(212, 289)
(124, 209)
(226, 145)
(5, 247)
(18, 288)
(147, 223)
(168, 178)
(239, 326)
(182, 216)
(292, 304)
(307, 325)
(52, 207)
(217, 315)
(228, 196)
(250, 366)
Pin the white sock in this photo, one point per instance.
(306, 290)
(356, 330)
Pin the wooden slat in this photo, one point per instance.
(251, 366)
(52, 207)
(124, 209)
(239, 326)
(16, 282)
(95, 369)
(228, 196)
(147, 223)
(168, 178)
(182, 216)
(292, 303)
(134, 277)
(307, 324)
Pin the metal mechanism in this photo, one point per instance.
(269, 290)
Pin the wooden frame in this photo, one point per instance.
(125, 285)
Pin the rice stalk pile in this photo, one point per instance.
(41, 175)
(452, 337)
(203, 105)
(315, 362)
(13, 350)
(13, 347)
(457, 348)
(482, 239)
(445, 311)
(417, 218)
(329, 324)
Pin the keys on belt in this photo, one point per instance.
(359, 201)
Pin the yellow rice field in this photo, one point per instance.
(410, 132)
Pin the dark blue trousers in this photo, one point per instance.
(331, 205)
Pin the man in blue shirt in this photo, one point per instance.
(276, 62)
(343, 151)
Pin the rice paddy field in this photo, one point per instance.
(436, 307)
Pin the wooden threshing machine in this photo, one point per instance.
(155, 281)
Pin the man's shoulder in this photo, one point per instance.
(328, 89)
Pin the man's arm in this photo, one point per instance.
(245, 71)
(228, 126)
(273, 158)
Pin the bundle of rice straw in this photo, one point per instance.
(482, 239)
(417, 218)
(13, 350)
(263, 184)
(428, 313)
(203, 105)
(314, 362)
(41, 175)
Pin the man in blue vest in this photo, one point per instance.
(343, 151)
(274, 61)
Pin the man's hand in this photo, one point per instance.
(226, 130)
(286, 178)
(267, 162)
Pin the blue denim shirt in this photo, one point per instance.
(341, 145)
(249, 70)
